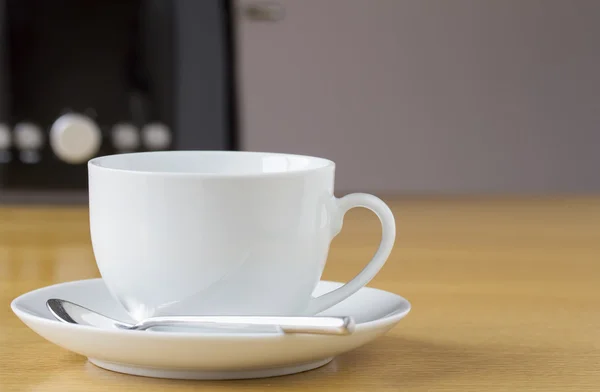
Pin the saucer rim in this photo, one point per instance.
(25, 316)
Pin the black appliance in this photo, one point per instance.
(83, 78)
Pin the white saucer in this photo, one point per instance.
(202, 355)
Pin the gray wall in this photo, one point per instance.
(430, 96)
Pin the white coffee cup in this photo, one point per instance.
(221, 232)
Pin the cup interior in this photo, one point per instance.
(227, 163)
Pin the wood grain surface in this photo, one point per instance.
(505, 295)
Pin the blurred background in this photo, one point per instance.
(409, 97)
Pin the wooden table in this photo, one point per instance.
(505, 294)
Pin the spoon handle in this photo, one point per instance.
(321, 325)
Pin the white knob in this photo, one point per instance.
(156, 136)
(125, 136)
(5, 137)
(28, 136)
(75, 138)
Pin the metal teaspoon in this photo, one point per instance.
(69, 312)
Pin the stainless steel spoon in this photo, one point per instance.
(70, 312)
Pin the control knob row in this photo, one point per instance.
(75, 138)
(155, 136)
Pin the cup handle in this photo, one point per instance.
(388, 237)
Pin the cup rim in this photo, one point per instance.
(322, 164)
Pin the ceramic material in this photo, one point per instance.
(221, 232)
(204, 355)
